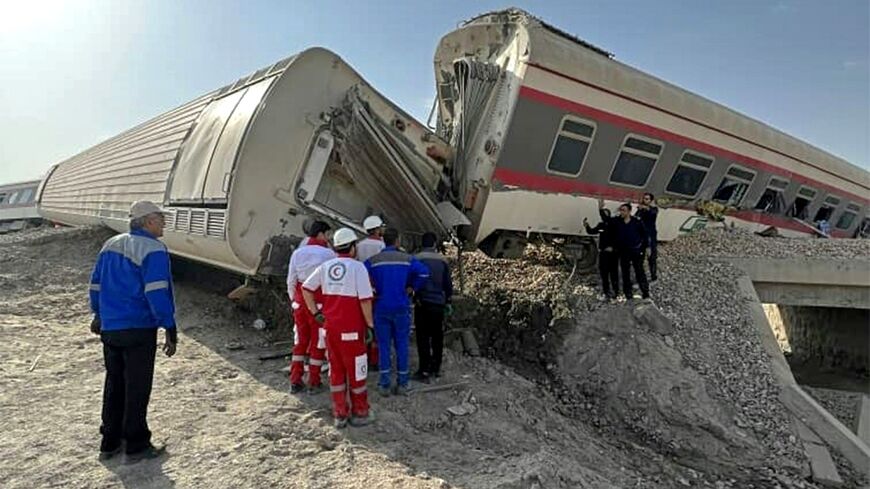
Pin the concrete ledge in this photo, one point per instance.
(768, 340)
(822, 465)
(862, 420)
(826, 426)
(814, 295)
(808, 271)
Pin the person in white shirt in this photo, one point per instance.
(374, 242)
(309, 338)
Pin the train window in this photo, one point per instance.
(734, 186)
(801, 205)
(827, 209)
(772, 200)
(13, 198)
(2, 198)
(25, 196)
(690, 174)
(636, 160)
(571, 146)
(848, 217)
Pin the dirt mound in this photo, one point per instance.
(637, 379)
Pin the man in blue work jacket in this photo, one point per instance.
(131, 297)
(395, 276)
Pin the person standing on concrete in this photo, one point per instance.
(131, 297)
(395, 276)
(347, 318)
(309, 341)
(433, 303)
(631, 242)
(648, 211)
(374, 242)
(608, 258)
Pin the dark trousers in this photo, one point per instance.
(608, 268)
(429, 320)
(629, 259)
(653, 258)
(129, 358)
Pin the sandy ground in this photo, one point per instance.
(229, 421)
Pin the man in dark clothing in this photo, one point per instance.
(608, 260)
(648, 211)
(631, 241)
(131, 297)
(433, 302)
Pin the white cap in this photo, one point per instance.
(372, 222)
(142, 208)
(343, 237)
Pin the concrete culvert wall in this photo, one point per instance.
(828, 336)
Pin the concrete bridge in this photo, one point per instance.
(809, 281)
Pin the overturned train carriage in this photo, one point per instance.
(242, 168)
(543, 124)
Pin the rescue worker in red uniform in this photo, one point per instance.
(347, 317)
(309, 339)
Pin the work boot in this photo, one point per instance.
(150, 452)
(420, 376)
(296, 388)
(109, 454)
(341, 423)
(313, 390)
(360, 421)
(402, 390)
(384, 391)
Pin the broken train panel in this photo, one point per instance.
(562, 124)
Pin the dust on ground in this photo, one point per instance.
(557, 402)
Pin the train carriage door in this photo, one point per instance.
(203, 170)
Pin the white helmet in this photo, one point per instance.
(343, 237)
(372, 222)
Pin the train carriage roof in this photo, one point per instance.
(567, 54)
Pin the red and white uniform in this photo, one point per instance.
(368, 248)
(309, 341)
(344, 285)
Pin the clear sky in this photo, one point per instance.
(75, 72)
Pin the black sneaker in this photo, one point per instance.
(150, 452)
(109, 454)
(420, 377)
(341, 423)
(296, 388)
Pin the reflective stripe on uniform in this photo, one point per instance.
(381, 263)
(315, 362)
(95, 287)
(403, 373)
(337, 388)
(349, 336)
(298, 358)
(358, 390)
(156, 285)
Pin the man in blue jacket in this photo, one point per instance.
(433, 303)
(131, 297)
(395, 276)
(631, 241)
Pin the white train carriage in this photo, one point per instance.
(544, 124)
(241, 169)
(18, 205)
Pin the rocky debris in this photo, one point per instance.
(742, 243)
(842, 404)
(633, 379)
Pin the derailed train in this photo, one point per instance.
(532, 127)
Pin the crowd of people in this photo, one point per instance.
(352, 301)
(623, 243)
